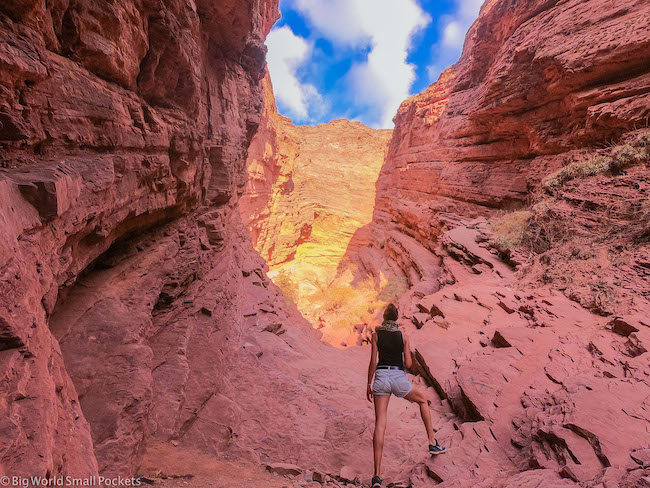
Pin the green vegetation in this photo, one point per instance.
(614, 161)
(579, 169)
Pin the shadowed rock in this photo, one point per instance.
(621, 327)
(499, 341)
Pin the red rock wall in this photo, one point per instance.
(270, 166)
(299, 172)
(538, 79)
(310, 188)
(114, 117)
(136, 321)
(540, 84)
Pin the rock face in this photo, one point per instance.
(540, 86)
(537, 81)
(137, 324)
(519, 319)
(534, 382)
(309, 190)
(115, 117)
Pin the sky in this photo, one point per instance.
(359, 59)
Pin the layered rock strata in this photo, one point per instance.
(540, 85)
(537, 81)
(309, 190)
(526, 336)
(138, 329)
(115, 117)
(539, 390)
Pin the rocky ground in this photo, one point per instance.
(520, 379)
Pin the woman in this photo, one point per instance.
(390, 378)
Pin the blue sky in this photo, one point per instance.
(359, 59)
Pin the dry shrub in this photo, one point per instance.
(332, 298)
(344, 305)
(290, 288)
(616, 160)
(341, 306)
(546, 228)
(536, 230)
(510, 229)
(643, 219)
(394, 289)
(643, 139)
(625, 156)
(580, 169)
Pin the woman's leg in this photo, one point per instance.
(381, 414)
(416, 396)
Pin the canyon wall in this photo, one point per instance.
(139, 332)
(538, 80)
(514, 202)
(310, 188)
(115, 118)
(540, 85)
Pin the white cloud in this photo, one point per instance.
(453, 35)
(384, 29)
(287, 53)
(337, 20)
(454, 27)
(382, 82)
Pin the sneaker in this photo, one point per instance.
(435, 449)
(376, 482)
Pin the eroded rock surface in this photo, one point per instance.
(138, 325)
(535, 380)
(115, 117)
(522, 334)
(537, 80)
(309, 190)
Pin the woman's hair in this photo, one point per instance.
(391, 312)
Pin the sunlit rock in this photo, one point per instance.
(309, 190)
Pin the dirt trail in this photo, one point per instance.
(168, 466)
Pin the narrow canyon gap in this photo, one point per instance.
(145, 177)
(309, 190)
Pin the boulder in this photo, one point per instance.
(621, 327)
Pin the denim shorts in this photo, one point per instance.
(391, 381)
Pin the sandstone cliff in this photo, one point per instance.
(514, 201)
(539, 86)
(115, 117)
(309, 190)
(537, 82)
(138, 330)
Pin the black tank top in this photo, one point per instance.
(391, 348)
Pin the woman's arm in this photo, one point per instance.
(372, 366)
(408, 360)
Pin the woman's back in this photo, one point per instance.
(390, 345)
(390, 354)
